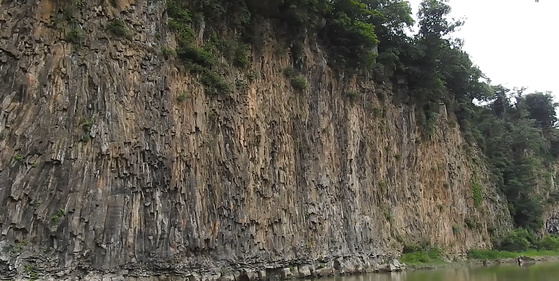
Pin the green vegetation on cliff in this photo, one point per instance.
(519, 242)
(517, 135)
(516, 243)
(421, 254)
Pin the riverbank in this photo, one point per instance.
(282, 270)
(500, 258)
(337, 267)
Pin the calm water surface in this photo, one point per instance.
(537, 272)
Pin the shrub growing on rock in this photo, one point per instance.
(550, 243)
(516, 241)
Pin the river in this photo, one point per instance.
(536, 272)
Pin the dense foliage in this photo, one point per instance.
(350, 29)
(519, 241)
(516, 132)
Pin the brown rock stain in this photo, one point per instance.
(44, 10)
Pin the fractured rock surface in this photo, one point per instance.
(103, 170)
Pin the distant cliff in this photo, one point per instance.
(115, 159)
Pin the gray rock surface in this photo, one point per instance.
(105, 175)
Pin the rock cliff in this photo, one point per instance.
(114, 160)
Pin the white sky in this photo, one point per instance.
(514, 42)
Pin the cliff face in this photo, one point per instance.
(112, 158)
(551, 213)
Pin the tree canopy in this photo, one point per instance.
(516, 134)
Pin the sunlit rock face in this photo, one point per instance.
(104, 169)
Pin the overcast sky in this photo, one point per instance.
(514, 42)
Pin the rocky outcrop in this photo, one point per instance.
(319, 268)
(103, 170)
(550, 191)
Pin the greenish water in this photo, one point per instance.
(536, 272)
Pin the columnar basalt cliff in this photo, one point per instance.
(114, 160)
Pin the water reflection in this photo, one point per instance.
(537, 272)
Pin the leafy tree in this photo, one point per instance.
(518, 149)
(542, 109)
(438, 63)
(502, 104)
(550, 243)
(391, 20)
(349, 34)
(433, 21)
(517, 241)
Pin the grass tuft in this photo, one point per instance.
(423, 256)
